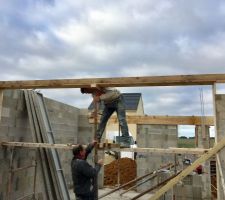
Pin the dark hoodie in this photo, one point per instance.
(83, 173)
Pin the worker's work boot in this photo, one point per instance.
(124, 141)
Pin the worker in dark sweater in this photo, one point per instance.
(113, 101)
(83, 173)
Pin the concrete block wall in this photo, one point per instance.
(69, 124)
(154, 136)
(64, 121)
(14, 126)
(85, 129)
(220, 134)
(205, 182)
(191, 188)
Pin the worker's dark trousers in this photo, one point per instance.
(85, 197)
(118, 106)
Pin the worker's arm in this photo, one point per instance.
(89, 171)
(90, 148)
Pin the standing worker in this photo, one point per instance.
(83, 173)
(113, 101)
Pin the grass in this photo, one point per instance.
(190, 142)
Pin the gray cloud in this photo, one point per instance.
(46, 39)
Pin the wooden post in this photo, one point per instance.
(95, 185)
(1, 102)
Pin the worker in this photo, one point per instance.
(83, 173)
(113, 101)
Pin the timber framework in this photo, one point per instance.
(178, 80)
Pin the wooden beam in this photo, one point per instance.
(176, 80)
(104, 146)
(167, 151)
(38, 145)
(54, 146)
(189, 169)
(165, 120)
(221, 176)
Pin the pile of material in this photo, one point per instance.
(123, 169)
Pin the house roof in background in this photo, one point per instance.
(131, 101)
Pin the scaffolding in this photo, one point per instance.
(178, 80)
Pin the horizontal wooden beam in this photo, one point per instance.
(165, 120)
(114, 147)
(38, 145)
(189, 169)
(54, 146)
(167, 151)
(176, 80)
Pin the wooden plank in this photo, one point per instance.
(167, 151)
(1, 102)
(112, 147)
(189, 169)
(165, 120)
(176, 80)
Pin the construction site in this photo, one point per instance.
(37, 135)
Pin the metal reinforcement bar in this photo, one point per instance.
(148, 179)
(141, 183)
(155, 187)
(134, 181)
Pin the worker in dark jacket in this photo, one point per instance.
(113, 101)
(83, 173)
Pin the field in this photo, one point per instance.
(190, 142)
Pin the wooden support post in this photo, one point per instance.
(1, 103)
(95, 181)
(10, 177)
(189, 169)
(220, 173)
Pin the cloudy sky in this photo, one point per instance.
(47, 39)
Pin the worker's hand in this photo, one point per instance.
(100, 162)
(91, 115)
(96, 98)
(94, 142)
